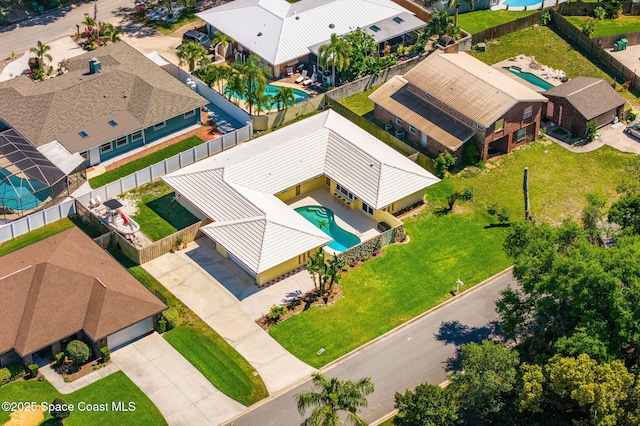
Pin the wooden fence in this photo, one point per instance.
(508, 28)
(607, 42)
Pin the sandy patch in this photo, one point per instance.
(25, 418)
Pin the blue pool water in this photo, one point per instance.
(533, 79)
(16, 193)
(522, 2)
(342, 240)
(272, 90)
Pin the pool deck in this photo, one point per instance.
(530, 65)
(535, 5)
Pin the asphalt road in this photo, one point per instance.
(54, 25)
(414, 353)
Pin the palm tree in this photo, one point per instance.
(262, 102)
(338, 53)
(284, 97)
(254, 77)
(191, 54)
(111, 34)
(235, 87)
(41, 53)
(456, 4)
(333, 271)
(219, 37)
(213, 74)
(315, 265)
(330, 396)
(89, 22)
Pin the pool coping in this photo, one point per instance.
(523, 62)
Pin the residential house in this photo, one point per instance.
(581, 99)
(244, 191)
(283, 34)
(452, 99)
(66, 287)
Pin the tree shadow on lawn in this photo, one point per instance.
(456, 333)
(171, 211)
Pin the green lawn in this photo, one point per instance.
(221, 364)
(411, 278)
(360, 103)
(621, 25)
(35, 236)
(480, 20)
(143, 162)
(114, 388)
(159, 215)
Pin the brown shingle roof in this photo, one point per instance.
(63, 284)
(590, 96)
(129, 84)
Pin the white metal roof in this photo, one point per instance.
(236, 188)
(61, 157)
(279, 31)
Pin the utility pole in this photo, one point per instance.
(525, 188)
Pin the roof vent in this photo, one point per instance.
(260, 33)
(332, 26)
(114, 123)
(94, 66)
(374, 28)
(398, 20)
(83, 134)
(297, 18)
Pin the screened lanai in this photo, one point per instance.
(29, 180)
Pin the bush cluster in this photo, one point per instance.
(105, 353)
(171, 317)
(16, 369)
(5, 376)
(77, 351)
(33, 370)
(60, 358)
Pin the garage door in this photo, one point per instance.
(130, 333)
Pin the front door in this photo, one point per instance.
(423, 139)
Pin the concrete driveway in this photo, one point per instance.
(203, 292)
(181, 393)
(617, 138)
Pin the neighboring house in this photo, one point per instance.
(244, 190)
(465, 6)
(66, 287)
(110, 101)
(581, 99)
(452, 99)
(284, 34)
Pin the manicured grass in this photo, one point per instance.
(621, 25)
(35, 236)
(413, 277)
(143, 162)
(549, 49)
(360, 103)
(159, 215)
(480, 20)
(114, 388)
(221, 364)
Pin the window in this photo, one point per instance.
(499, 124)
(83, 134)
(189, 114)
(106, 147)
(367, 209)
(521, 134)
(121, 141)
(412, 130)
(374, 28)
(398, 121)
(479, 126)
(85, 155)
(136, 135)
(344, 192)
(160, 125)
(528, 111)
(113, 123)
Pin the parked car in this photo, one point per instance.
(198, 37)
(634, 129)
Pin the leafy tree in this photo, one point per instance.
(284, 97)
(613, 8)
(579, 342)
(363, 59)
(441, 24)
(330, 396)
(41, 53)
(588, 28)
(225, 40)
(254, 78)
(488, 378)
(77, 351)
(427, 405)
(444, 163)
(592, 215)
(626, 213)
(599, 13)
(59, 410)
(336, 54)
(192, 53)
(592, 129)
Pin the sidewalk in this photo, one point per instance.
(66, 388)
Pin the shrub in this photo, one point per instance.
(33, 370)
(16, 369)
(277, 311)
(171, 317)
(591, 131)
(77, 351)
(466, 194)
(444, 163)
(60, 358)
(613, 8)
(5, 376)
(105, 353)
(470, 154)
(599, 13)
(545, 19)
(492, 209)
(162, 326)
(294, 303)
(58, 408)
(503, 215)
(588, 27)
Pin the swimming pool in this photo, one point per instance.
(533, 79)
(18, 194)
(521, 3)
(272, 90)
(323, 218)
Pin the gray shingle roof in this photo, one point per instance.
(129, 85)
(590, 96)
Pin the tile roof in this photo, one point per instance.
(470, 86)
(63, 284)
(236, 188)
(590, 96)
(130, 89)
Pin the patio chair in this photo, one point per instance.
(561, 74)
(309, 80)
(302, 76)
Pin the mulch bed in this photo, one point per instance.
(70, 372)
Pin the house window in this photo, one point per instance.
(189, 114)
(367, 209)
(528, 112)
(494, 2)
(479, 126)
(412, 130)
(160, 125)
(121, 141)
(135, 136)
(521, 134)
(398, 121)
(344, 192)
(84, 154)
(106, 147)
(499, 124)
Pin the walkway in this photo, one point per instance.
(181, 393)
(65, 388)
(613, 135)
(202, 288)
